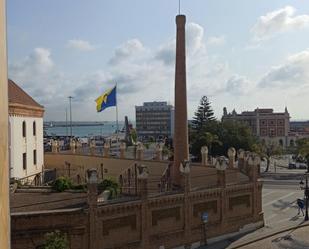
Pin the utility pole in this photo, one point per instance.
(70, 100)
(66, 122)
(4, 158)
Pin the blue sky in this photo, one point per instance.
(242, 54)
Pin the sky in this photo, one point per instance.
(241, 54)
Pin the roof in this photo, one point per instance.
(19, 96)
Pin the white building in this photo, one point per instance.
(26, 155)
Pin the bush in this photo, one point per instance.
(56, 240)
(111, 185)
(79, 187)
(62, 183)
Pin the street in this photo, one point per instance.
(279, 204)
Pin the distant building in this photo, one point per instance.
(25, 134)
(154, 120)
(299, 126)
(264, 123)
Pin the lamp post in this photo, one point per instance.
(70, 100)
(306, 191)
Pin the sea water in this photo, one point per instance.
(83, 130)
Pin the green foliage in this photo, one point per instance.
(56, 240)
(79, 187)
(220, 136)
(203, 114)
(303, 148)
(267, 150)
(234, 134)
(133, 136)
(111, 185)
(62, 183)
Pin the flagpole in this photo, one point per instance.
(117, 127)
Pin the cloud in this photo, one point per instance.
(129, 49)
(293, 73)
(216, 40)
(39, 61)
(238, 85)
(80, 45)
(194, 38)
(167, 53)
(278, 21)
(141, 73)
(36, 73)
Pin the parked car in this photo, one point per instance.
(302, 166)
(292, 166)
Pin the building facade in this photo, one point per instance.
(154, 120)
(25, 134)
(268, 125)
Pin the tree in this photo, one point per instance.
(205, 138)
(267, 150)
(234, 134)
(303, 148)
(111, 185)
(56, 240)
(203, 115)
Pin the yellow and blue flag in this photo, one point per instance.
(107, 99)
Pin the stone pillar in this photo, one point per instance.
(204, 153)
(139, 151)
(92, 186)
(92, 147)
(142, 178)
(231, 154)
(79, 147)
(55, 146)
(123, 147)
(241, 159)
(181, 147)
(106, 148)
(4, 163)
(159, 154)
(73, 146)
(253, 165)
(221, 165)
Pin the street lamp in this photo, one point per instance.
(306, 191)
(70, 100)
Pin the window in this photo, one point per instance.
(24, 161)
(34, 128)
(34, 157)
(24, 128)
(272, 132)
(292, 143)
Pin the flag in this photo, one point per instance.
(107, 99)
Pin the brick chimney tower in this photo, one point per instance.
(181, 148)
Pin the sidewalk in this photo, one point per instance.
(290, 237)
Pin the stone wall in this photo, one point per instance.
(29, 228)
(167, 220)
(230, 195)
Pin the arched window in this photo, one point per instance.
(24, 128)
(281, 142)
(34, 128)
(292, 143)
